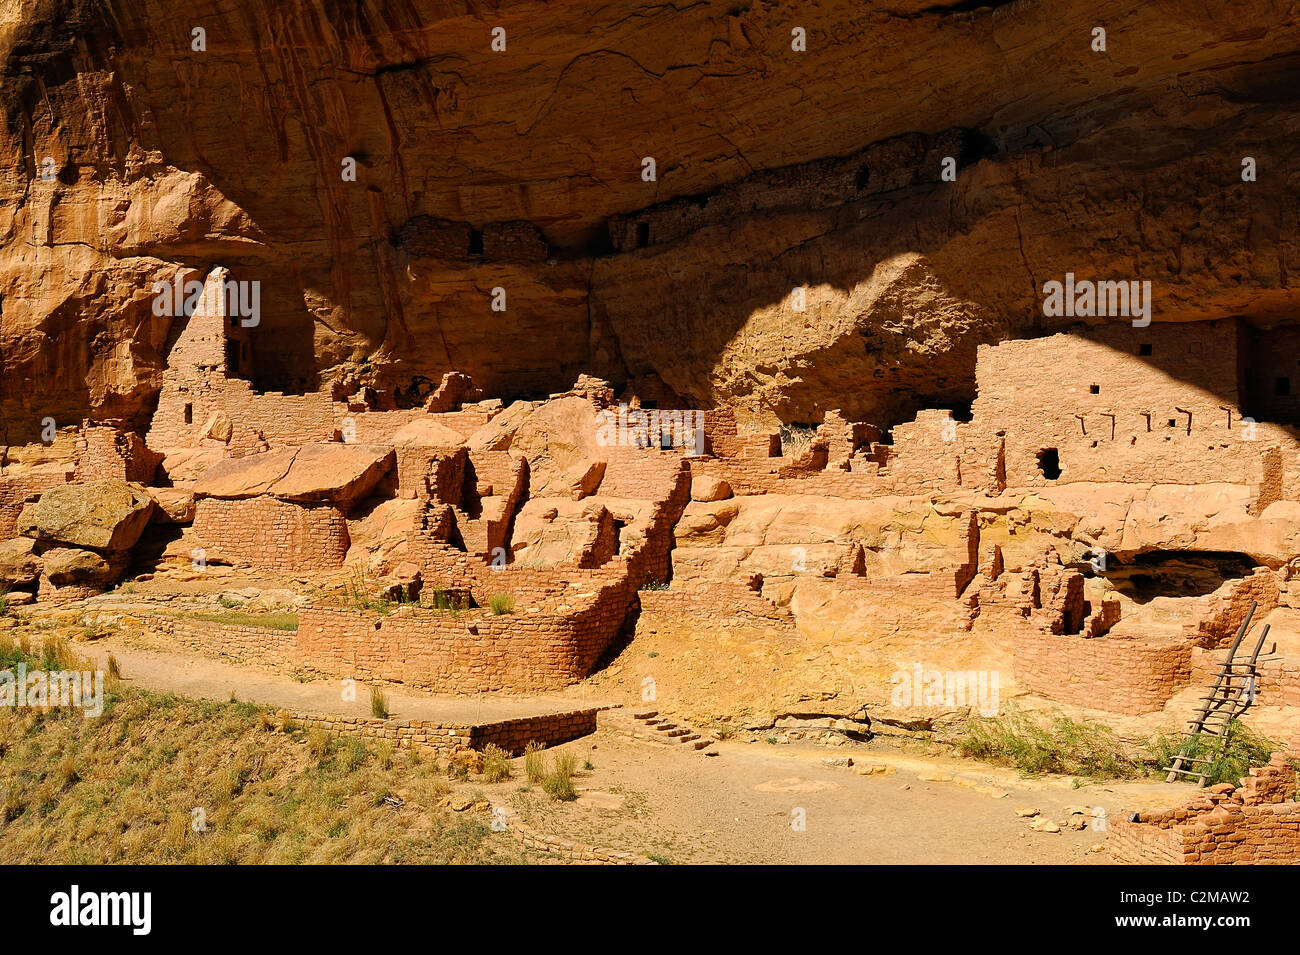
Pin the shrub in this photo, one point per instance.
(1050, 743)
(501, 604)
(378, 703)
(318, 743)
(534, 762)
(496, 763)
(559, 785)
(1230, 757)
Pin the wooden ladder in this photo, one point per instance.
(1230, 695)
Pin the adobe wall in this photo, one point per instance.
(1123, 404)
(17, 491)
(549, 729)
(1255, 824)
(108, 451)
(1121, 676)
(272, 535)
(260, 644)
(431, 473)
(470, 653)
(722, 604)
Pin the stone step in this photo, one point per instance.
(645, 715)
(676, 731)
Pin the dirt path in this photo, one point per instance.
(739, 807)
(205, 678)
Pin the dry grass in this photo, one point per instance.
(534, 763)
(496, 764)
(125, 787)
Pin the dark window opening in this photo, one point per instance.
(232, 355)
(189, 414)
(1095, 389)
(1049, 462)
(962, 411)
(864, 177)
(1173, 423)
(1282, 387)
(1144, 349)
(475, 241)
(642, 234)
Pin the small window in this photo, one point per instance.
(475, 242)
(1173, 423)
(189, 414)
(1049, 463)
(1194, 348)
(864, 177)
(1095, 389)
(1144, 348)
(1282, 387)
(642, 234)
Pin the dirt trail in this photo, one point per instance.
(205, 678)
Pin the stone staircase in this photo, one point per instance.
(649, 725)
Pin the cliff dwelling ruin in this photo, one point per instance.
(667, 387)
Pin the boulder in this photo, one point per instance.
(100, 515)
(561, 440)
(425, 433)
(174, 505)
(84, 568)
(498, 433)
(706, 489)
(19, 565)
(341, 474)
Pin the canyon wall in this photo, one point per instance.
(127, 156)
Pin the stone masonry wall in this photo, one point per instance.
(271, 534)
(1121, 676)
(472, 653)
(1255, 824)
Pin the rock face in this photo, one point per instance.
(793, 252)
(100, 515)
(340, 473)
(19, 565)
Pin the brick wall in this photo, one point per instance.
(1255, 824)
(470, 653)
(1122, 676)
(110, 451)
(271, 534)
(549, 729)
(16, 491)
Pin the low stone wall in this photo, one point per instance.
(573, 851)
(263, 644)
(549, 729)
(1121, 676)
(1256, 824)
(273, 535)
(470, 653)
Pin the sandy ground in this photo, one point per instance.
(738, 806)
(741, 806)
